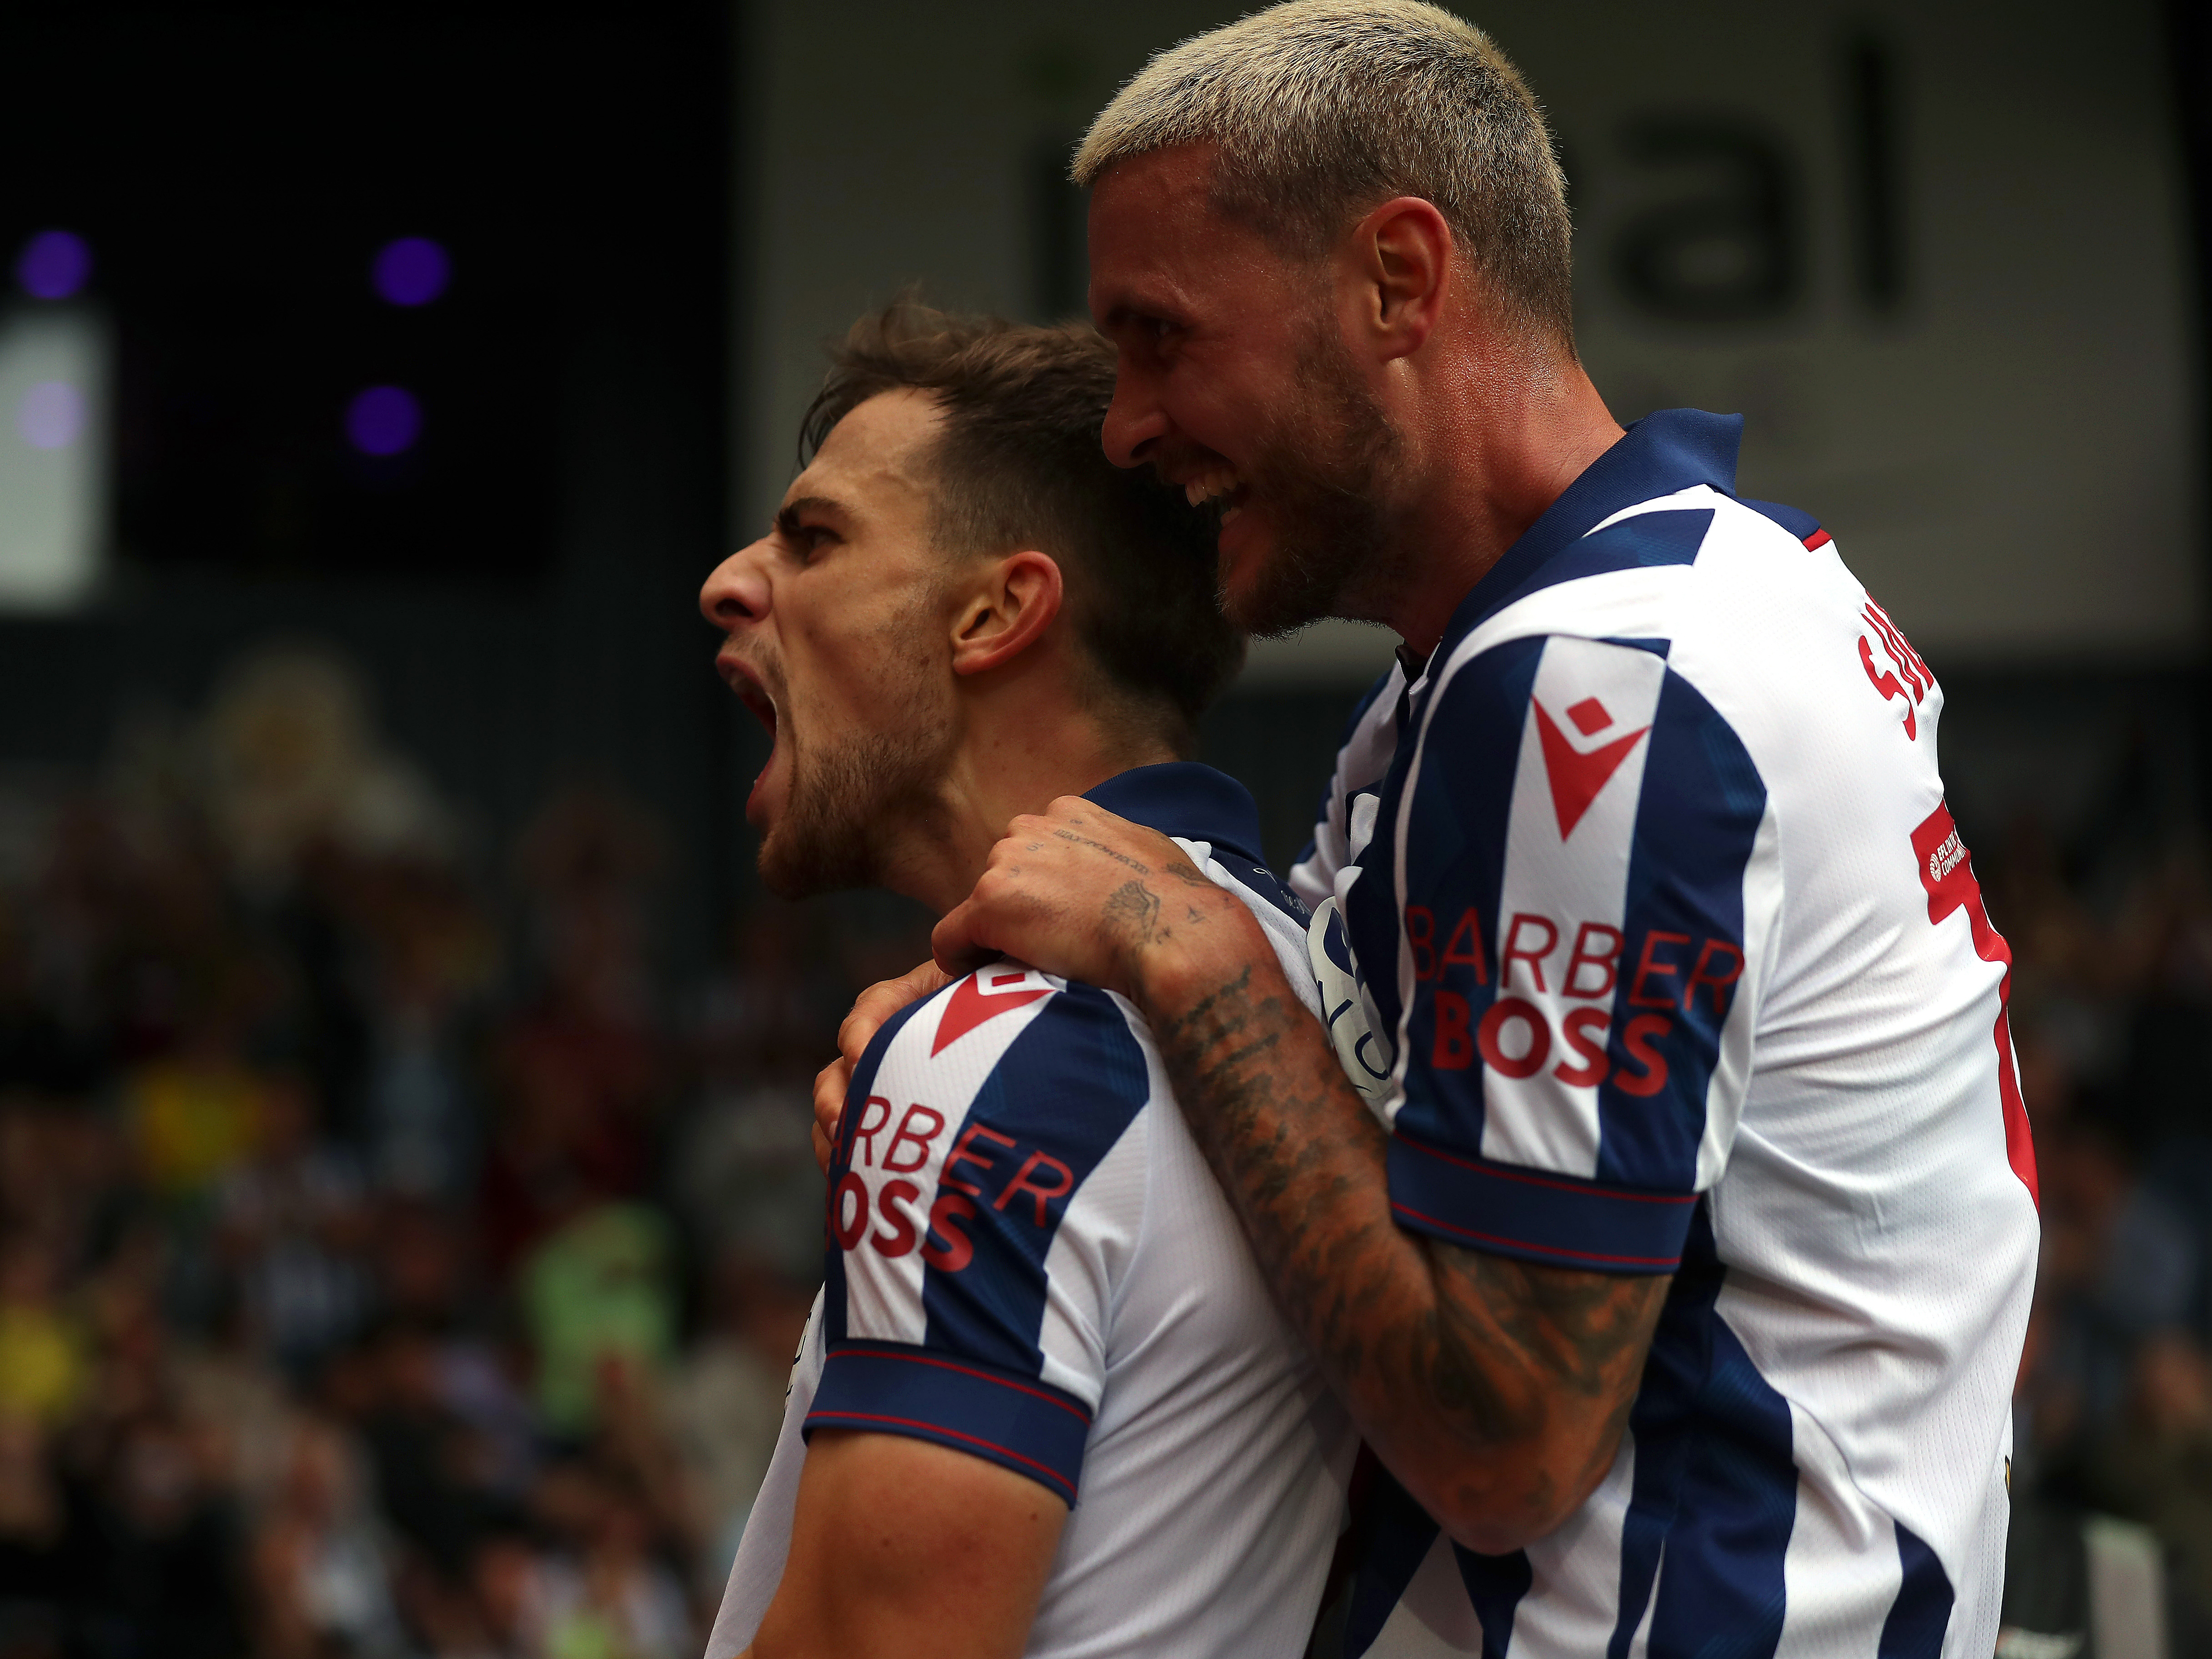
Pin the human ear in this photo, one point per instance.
(1013, 603)
(1401, 252)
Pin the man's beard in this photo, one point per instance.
(1323, 476)
(849, 805)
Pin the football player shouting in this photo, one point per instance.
(1045, 1405)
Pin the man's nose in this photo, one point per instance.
(1134, 420)
(737, 592)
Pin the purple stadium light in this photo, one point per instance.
(51, 416)
(53, 265)
(411, 271)
(385, 420)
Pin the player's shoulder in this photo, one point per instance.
(1007, 1019)
(1645, 593)
(1065, 1063)
(1699, 530)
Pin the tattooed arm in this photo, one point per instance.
(1496, 1390)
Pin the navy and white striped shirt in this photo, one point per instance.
(1031, 1263)
(1641, 921)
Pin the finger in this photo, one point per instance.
(822, 1150)
(830, 1083)
(879, 1002)
(870, 1009)
(924, 979)
(954, 948)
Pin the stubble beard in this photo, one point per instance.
(852, 803)
(1324, 477)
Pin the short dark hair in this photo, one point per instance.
(1019, 464)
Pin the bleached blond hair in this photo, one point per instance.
(1321, 110)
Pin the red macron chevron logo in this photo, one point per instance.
(969, 1007)
(1577, 775)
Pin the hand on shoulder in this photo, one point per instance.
(870, 1009)
(1077, 891)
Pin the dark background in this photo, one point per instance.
(517, 587)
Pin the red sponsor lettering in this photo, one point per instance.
(1040, 1195)
(849, 1219)
(1454, 1047)
(1648, 968)
(907, 1137)
(1948, 874)
(960, 1154)
(869, 1124)
(1514, 953)
(1491, 1034)
(1421, 935)
(1464, 948)
(1584, 1031)
(1641, 1033)
(957, 1250)
(1732, 960)
(1606, 962)
(896, 1237)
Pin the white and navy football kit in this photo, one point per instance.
(1642, 922)
(1031, 1263)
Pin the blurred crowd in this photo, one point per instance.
(390, 1263)
(393, 1263)
(2111, 1007)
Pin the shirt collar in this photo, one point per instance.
(1658, 455)
(1183, 797)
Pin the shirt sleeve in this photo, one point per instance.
(1587, 884)
(985, 1195)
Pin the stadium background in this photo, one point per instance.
(405, 1213)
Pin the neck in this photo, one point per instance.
(1020, 747)
(1505, 432)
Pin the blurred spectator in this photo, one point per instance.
(40, 1570)
(613, 1599)
(431, 959)
(580, 1069)
(598, 1293)
(293, 1229)
(194, 1114)
(164, 1563)
(291, 755)
(724, 1401)
(2155, 1465)
(42, 1370)
(2119, 1261)
(319, 1575)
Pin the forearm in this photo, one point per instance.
(1494, 1391)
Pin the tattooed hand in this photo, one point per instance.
(1079, 892)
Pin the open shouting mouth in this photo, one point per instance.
(753, 689)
